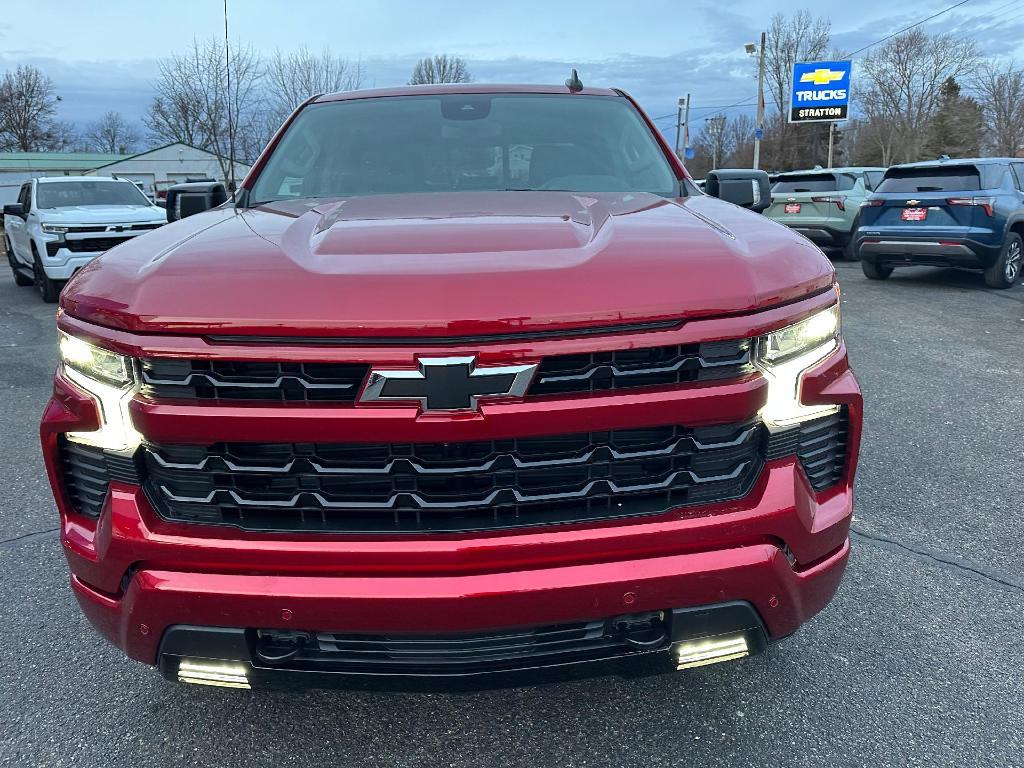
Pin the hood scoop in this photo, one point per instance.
(453, 225)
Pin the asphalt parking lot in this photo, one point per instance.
(917, 662)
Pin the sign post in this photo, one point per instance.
(759, 129)
(820, 91)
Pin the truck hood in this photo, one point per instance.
(447, 264)
(102, 214)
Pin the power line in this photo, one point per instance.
(916, 24)
(989, 24)
(704, 108)
(752, 101)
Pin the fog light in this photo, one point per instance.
(710, 650)
(218, 673)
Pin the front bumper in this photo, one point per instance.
(139, 578)
(61, 263)
(682, 638)
(167, 578)
(65, 264)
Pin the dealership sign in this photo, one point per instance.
(821, 91)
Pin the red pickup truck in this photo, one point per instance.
(467, 385)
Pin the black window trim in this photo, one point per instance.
(1017, 171)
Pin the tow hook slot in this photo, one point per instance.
(277, 647)
(641, 630)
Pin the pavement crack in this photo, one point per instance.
(942, 560)
(26, 538)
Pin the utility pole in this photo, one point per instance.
(686, 128)
(717, 131)
(227, 99)
(679, 123)
(831, 137)
(759, 127)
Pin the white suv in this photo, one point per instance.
(61, 223)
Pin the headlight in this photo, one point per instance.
(799, 338)
(54, 229)
(95, 362)
(783, 356)
(107, 376)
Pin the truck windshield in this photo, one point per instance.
(66, 193)
(466, 142)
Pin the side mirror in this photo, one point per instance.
(188, 199)
(14, 209)
(744, 187)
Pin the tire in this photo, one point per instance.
(849, 251)
(1008, 268)
(20, 278)
(49, 289)
(874, 271)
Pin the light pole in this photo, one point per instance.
(227, 98)
(751, 49)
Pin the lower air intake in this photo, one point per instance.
(497, 650)
(820, 445)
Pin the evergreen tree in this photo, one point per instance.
(956, 128)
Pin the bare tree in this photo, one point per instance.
(440, 69)
(905, 78)
(801, 37)
(798, 38)
(112, 133)
(61, 136)
(711, 146)
(1000, 89)
(878, 137)
(194, 105)
(27, 106)
(291, 78)
(739, 137)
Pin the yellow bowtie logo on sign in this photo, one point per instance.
(821, 76)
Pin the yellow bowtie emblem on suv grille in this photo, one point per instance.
(821, 76)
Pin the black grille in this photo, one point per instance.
(820, 445)
(497, 650)
(93, 244)
(235, 380)
(341, 382)
(412, 488)
(87, 474)
(650, 367)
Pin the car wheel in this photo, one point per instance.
(849, 251)
(1008, 267)
(20, 278)
(874, 271)
(48, 289)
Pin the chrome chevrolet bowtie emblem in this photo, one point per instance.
(448, 383)
(913, 202)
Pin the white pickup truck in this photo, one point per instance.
(61, 223)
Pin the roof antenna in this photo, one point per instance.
(574, 84)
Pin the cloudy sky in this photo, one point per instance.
(104, 55)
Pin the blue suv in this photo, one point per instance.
(948, 213)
